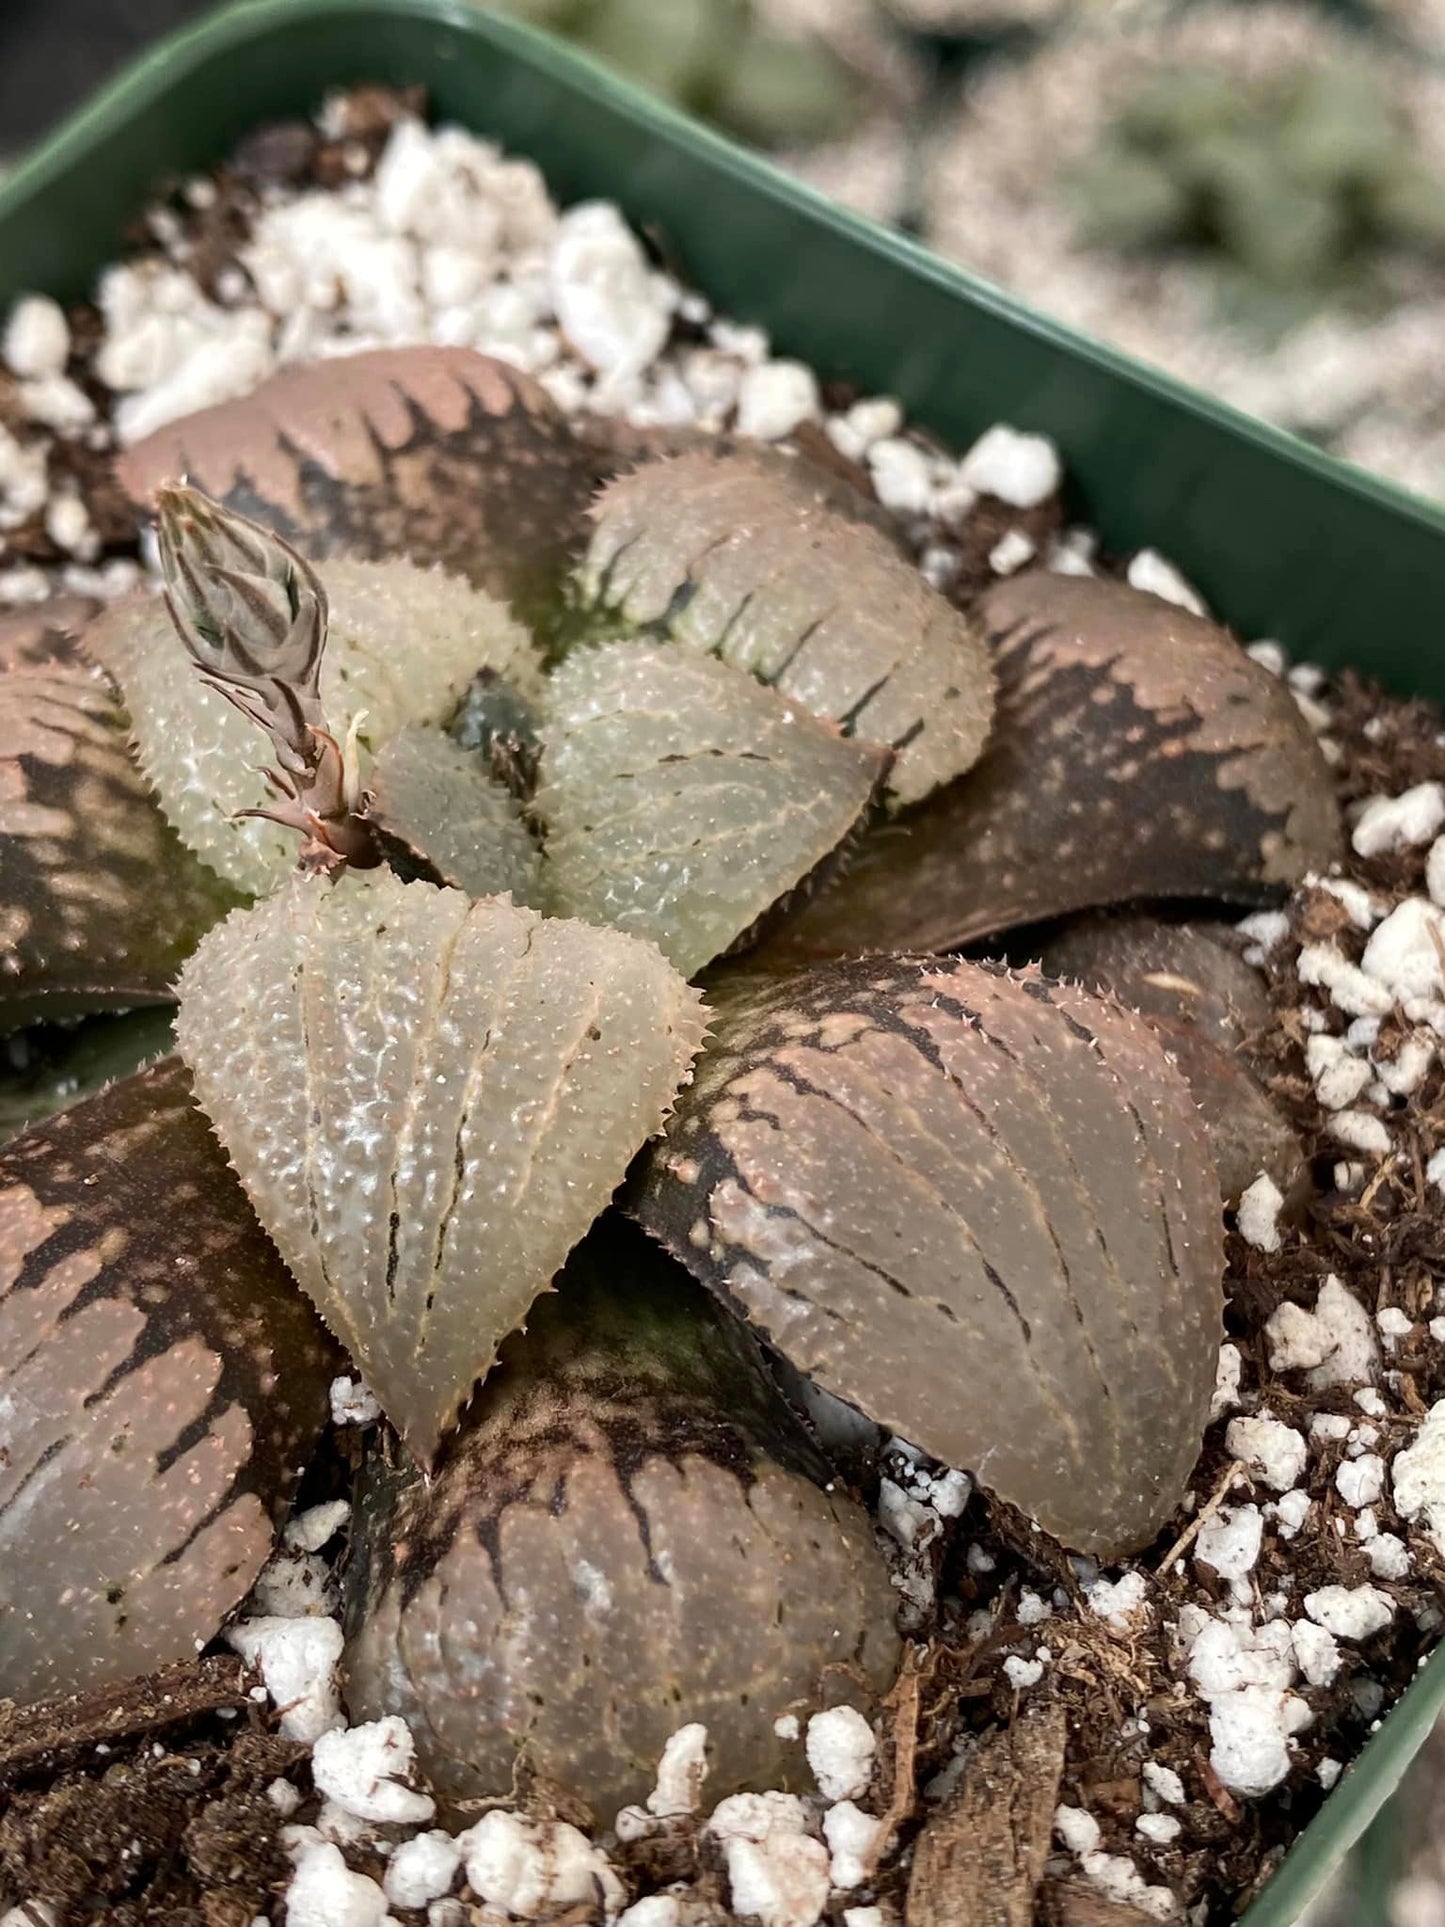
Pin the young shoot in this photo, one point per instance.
(253, 617)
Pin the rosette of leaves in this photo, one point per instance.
(430, 1088)
(161, 1380)
(980, 1207)
(1290, 184)
(630, 1533)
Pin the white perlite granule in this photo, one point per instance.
(1022, 470)
(422, 1869)
(297, 1660)
(1388, 823)
(1150, 572)
(1258, 1215)
(363, 1769)
(1274, 1451)
(1350, 1612)
(535, 1868)
(1419, 1477)
(840, 1747)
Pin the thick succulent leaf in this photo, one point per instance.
(1138, 753)
(442, 814)
(724, 555)
(681, 799)
(402, 647)
(161, 1379)
(1190, 982)
(428, 1099)
(99, 900)
(52, 1066)
(38, 636)
(1185, 973)
(978, 1206)
(628, 1535)
(439, 454)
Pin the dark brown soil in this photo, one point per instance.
(145, 1803)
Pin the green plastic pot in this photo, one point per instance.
(1283, 540)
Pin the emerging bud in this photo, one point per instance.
(253, 615)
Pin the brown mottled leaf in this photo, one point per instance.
(439, 454)
(37, 636)
(160, 1381)
(99, 900)
(440, 812)
(979, 1860)
(628, 1535)
(428, 1099)
(724, 555)
(1191, 983)
(682, 799)
(978, 1206)
(1138, 753)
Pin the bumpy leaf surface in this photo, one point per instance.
(628, 1535)
(99, 900)
(428, 1099)
(439, 805)
(402, 647)
(681, 799)
(981, 1208)
(1203, 1000)
(725, 556)
(161, 1379)
(1138, 753)
(439, 454)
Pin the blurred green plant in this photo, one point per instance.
(1297, 188)
(722, 59)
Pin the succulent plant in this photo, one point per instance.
(728, 556)
(160, 1382)
(724, 59)
(1138, 752)
(1192, 985)
(630, 1533)
(1290, 183)
(978, 1206)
